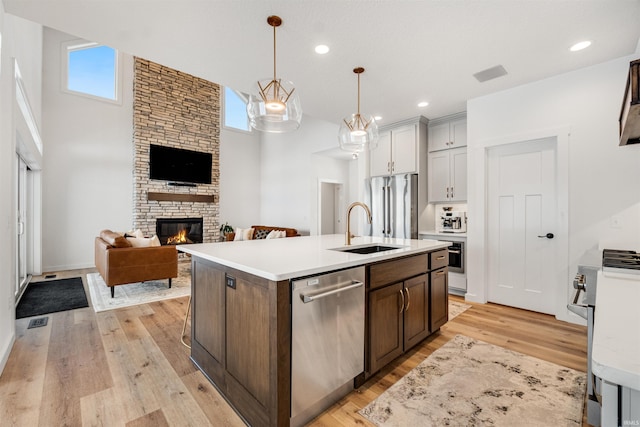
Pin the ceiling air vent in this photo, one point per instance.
(490, 73)
(630, 113)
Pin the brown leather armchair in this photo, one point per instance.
(119, 263)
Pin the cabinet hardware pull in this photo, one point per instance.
(408, 299)
(401, 306)
(452, 192)
(388, 166)
(440, 258)
(454, 252)
(440, 273)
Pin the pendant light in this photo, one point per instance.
(276, 107)
(358, 132)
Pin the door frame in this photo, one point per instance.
(478, 250)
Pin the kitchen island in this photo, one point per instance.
(241, 326)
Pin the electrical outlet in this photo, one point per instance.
(615, 222)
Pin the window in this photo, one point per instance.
(91, 69)
(235, 110)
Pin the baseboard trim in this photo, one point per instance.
(52, 268)
(7, 351)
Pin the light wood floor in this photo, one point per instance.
(127, 367)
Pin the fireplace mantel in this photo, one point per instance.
(179, 197)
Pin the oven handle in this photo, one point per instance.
(310, 298)
(580, 310)
(454, 252)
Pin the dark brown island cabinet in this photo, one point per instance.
(407, 302)
(241, 327)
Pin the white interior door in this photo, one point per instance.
(22, 226)
(522, 211)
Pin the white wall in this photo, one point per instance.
(603, 192)
(239, 178)
(289, 176)
(21, 40)
(88, 163)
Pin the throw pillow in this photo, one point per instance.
(155, 241)
(276, 234)
(243, 234)
(139, 242)
(261, 234)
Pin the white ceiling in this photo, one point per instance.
(411, 50)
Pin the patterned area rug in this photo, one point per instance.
(468, 382)
(457, 308)
(138, 293)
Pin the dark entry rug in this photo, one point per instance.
(52, 296)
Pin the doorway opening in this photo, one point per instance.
(331, 201)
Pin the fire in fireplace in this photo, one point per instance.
(179, 231)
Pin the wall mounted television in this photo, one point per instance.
(179, 165)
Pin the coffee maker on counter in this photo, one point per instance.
(452, 221)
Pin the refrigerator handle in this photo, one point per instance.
(387, 207)
(384, 210)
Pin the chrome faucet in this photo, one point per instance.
(351, 206)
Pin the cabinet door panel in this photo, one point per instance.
(416, 313)
(438, 176)
(385, 326)
(380, 158)
(404, 154)
(248, 337)
(458, 174)
(208, 305)
(458, 133)
(439, 298)
(439, 137)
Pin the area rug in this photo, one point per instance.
(138, 293)
(468, 382)
(51, 296)
(457, 308)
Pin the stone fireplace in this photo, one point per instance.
(175, 109)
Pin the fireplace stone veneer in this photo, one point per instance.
(174, 109)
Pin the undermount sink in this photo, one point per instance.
(369, 249)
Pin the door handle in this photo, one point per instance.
(408, 299)
(401, 306)
(547, 236)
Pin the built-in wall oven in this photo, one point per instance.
(456, 257)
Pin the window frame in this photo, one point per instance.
(249, 129)
(80, 44)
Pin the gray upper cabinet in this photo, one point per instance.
(448, 132)
(401, 149)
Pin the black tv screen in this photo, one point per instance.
(176, 164)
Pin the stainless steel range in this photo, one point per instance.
(586, 283)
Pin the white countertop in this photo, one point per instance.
(440, 233)
(288, 258)
(616, 332)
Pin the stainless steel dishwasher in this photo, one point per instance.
(327, 340)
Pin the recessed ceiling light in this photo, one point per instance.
(579, 46)
(423, 104)
(377, 118)
(321, 49)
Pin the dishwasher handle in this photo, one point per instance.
(310, 298)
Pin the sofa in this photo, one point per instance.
(262, 231)
(120, 262)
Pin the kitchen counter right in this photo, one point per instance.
(616, 333)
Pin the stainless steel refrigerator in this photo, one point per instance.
(394, 206)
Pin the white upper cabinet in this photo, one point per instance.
(448, 134)
(448, 175)
(399, 149)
